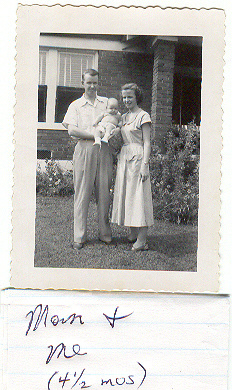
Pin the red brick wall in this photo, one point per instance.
(118, 68)
(162, 88)
(56, 141)
(153, 73)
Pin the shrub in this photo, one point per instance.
(54, 181)
(175, 176)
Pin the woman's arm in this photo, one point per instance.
(144, 172)
(82, 134)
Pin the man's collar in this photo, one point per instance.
(85, 101)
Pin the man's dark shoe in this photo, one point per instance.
(106, 240)
(78, 245)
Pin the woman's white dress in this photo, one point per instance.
(132, 204)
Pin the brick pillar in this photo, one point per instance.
(162, 87)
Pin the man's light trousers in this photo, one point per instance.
(93, 168)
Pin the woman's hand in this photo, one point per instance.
(144, 171)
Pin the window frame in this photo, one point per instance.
(52, 69)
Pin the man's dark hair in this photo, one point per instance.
(91, 72)
(134, 87)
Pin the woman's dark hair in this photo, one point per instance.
(134, 87)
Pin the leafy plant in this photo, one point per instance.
(175, 175)
(54, 181)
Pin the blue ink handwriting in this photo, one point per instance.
(62, 348)
(124, 381)
(72, 380)
(81, 383)
(55, 320)
(114, 318)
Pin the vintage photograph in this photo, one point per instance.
(118, 124)
(118, 151)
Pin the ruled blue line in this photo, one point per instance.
(128, 348)
(148, 374)
(125, 322)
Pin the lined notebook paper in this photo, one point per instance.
(72, 340)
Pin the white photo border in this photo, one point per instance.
(35, 19)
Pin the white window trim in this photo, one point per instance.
(51, 86)
(51, 82)
(80, 43)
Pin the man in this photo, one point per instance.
(92, 164)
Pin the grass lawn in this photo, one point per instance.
(171, 247)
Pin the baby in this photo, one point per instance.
(107, 122)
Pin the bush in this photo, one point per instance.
(54, 181)
(175, 175)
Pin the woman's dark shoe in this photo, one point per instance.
(105, 239)
(131, 240)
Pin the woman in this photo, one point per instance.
(132, 204)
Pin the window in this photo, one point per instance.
(60, 81)
(43, 154)
(42, 67)
(42, 89)
(42, 100)
(65, 96)
(69, 86)
(71, 66)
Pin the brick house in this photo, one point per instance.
(168, 69)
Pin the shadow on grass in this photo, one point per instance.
(171, 247)
(173, 244)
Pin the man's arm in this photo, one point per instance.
(81, 134)
(98, 119)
